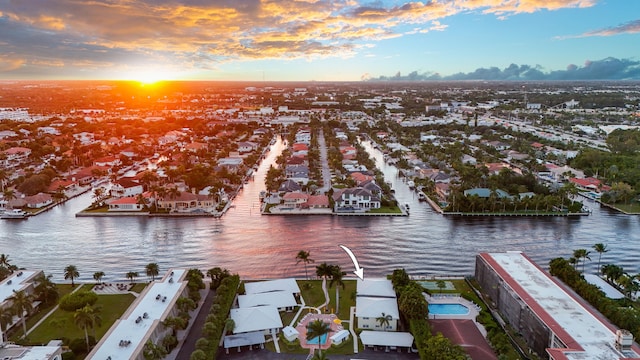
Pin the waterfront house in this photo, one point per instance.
(128, 203)
(589, 184)
(295, 199)
(186, 202)
(355, 199)
(126, 187)
(317, 202)
(375, 299)
(38, 200)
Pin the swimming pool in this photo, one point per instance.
(314, 341)
(448, 309)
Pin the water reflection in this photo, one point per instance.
(261, 246)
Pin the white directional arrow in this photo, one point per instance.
(359, 271)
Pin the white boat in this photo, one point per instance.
(14, 214)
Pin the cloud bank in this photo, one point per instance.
(200, 34)
(605, 69)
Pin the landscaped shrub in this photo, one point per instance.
(218, 313)
(79, 345)
(78, 300)
(69, 355)
(169, 342)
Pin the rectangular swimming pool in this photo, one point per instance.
(448, 309)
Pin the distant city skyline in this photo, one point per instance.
(323, 40)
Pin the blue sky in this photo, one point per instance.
(325, 40)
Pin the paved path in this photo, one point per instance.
(324, 163)
(49, 313)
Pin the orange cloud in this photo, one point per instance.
(199, 33)
(8, 64)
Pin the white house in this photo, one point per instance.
(356, 199)
(128, 203)
(126, 188)
(376, 300)
(283, 300)
(259, 318)
(288, 284)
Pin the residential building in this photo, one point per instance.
(355, 199)
(551, 319)
(127, 203)
(14, 156)
(20, 280)
(126, 187)
(186, 202)
(38, 200)
(143, 321)
(376, 299)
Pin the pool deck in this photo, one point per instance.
(302, 330)
(474, 310)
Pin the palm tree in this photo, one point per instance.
(152, 351)
(4, 261)
(336, 278)
(132, 275)
(6, 316)
(22, 303)
(152, 270)
(600, 248)
(217, 274)
(45, 290)
(175, 323)
(71, 272)
(384, 320)
(84, 318)
(582, 254)
(303, 256)
(98, 275)
(317, 328)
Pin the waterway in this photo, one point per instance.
(261, 246)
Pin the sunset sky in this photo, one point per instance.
(324, 40)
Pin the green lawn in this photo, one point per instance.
(60, 323)
(386, 210)
(313, 295)
(138, 287)
(633, 208)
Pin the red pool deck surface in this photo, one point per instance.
(466, 334)
(302, 329)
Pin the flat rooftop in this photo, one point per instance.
(126, 337)
(18, 281)
(587, 335)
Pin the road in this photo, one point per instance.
(324, 163)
